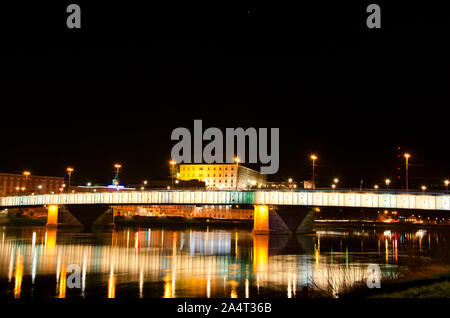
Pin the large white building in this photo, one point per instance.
(222, 176)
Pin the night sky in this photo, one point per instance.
(114, 90)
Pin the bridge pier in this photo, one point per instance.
(79, 215)
(283, 219)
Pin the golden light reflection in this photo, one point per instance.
(387, 250)
(18, 274)
(234, 284)
(50, 241)
(112, 284)
(260, 253)
(167, 286)
(62, 282)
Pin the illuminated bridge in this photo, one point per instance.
(275, 210)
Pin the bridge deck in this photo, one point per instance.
(338, 198)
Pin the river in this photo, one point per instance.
(159, 262)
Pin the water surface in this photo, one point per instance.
(156, 262)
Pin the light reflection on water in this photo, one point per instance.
(155, 262)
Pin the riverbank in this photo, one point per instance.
(375, 224)
(430, 281)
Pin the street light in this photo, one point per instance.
(336, 180)
(26, 174)
(424, 188)
(376, 186)
(69, 171)
(117, 166)
(172, 164)
(388, 181)
(313, 158)
(237, 160)
(407, 156)
(446, 182)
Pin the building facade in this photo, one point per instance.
(206, 211)
(13, 184)
(222, 176)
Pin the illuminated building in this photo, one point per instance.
(222, 176)
(205, 211)
(13, 184)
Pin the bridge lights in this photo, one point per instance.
(313, 158)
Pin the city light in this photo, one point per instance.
(407, 156)
(172, 166)
(69, 172)
(313, 158)
(387, 181)
(26, 174)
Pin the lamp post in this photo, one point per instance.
(407, 156)
(424, 188)
(446, 182)
(335, 182)
(69, 172)
(387, 183)
(237, 160)
(26, 174)
(172, 164)
(313, 158)
(117, 166)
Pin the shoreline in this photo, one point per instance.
(173, 221)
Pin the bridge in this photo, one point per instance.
(275, 210)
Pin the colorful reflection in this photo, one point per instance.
(194, 263)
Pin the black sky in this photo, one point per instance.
(115, 90)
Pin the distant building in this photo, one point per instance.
(205, 211)
(307, 184)
(12, 184)
(222, 176)
(98, 188)
(282, 185)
